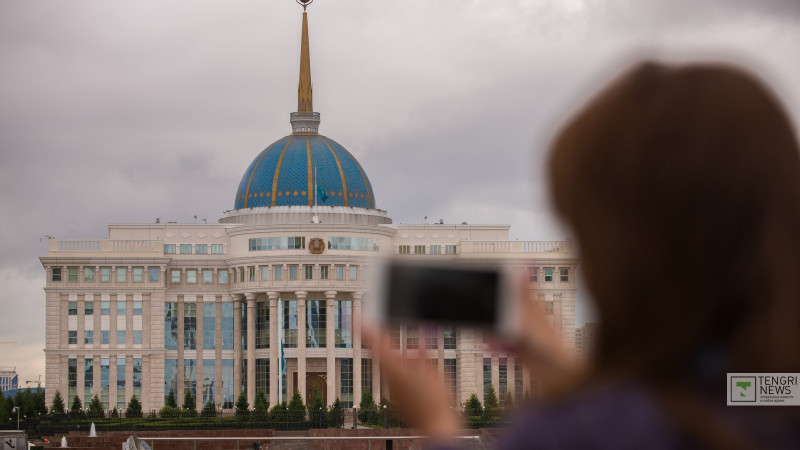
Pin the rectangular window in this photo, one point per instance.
(88, 380)
(450, 377)
(262, 376)
(227, 383)
(548, 274)
(252, 273)
(176, 276)
(366, 375)
(436, 249)
(137, 308)
(503, 382)
(88, 274)
(353, 273)
(216, 249)
(88, 308)
(404, 249)
(290, 323)
(449, 249)
(72, 308)
(353, 243)
(88, 337)
(72, 379)
(169, 249)
(346, 382)
(339, 272)
(209, 380)
(394, 336)
(209, 326)
(105, 308)
(243, 325)
(105, 274)
(153, 274)
(137, 274)
(121, 307)
(122, 274)
(170, 378)
(262, 325)
(449, 338)
(431, 340)
(278, 272)
(227, 326)
(120, 383)
(533, 274)
(190, 376)
(137, 377)
(186, 249)
(191, 276)
(432, 365)
(56, 278)
(487, 375)
(171, 325)
(189, 326)
(343, 323)
(412, 336)
(121, 336)
(564, 273)
(292, 272)
(277, 243)
(517, 381)
(201, 249)
(316, 323)
(137, 337)
(208, 276)
(73, 274)
(309, 272)
(105, 337)
(264, 273)
(223, 276)
(323, 272)
(419, 249)
(104, 381)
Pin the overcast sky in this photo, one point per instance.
(124, 111)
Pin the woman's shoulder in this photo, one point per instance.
(613, 417)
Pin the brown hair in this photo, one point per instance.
(682, 185)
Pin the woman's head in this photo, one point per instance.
(683, 187)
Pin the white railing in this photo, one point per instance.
(79, 246)
(104, 245)
(552, 247)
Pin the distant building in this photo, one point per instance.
(264, 299)
(9, 379)
(586, 340)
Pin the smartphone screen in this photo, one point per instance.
(443, 294)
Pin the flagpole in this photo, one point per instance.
(315, 185)
(280, 343)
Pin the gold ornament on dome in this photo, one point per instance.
(316, 246)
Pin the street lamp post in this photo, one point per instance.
(384, 416)
(16, 408)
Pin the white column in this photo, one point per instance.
(237, 346)
(330, 297)
(251, 347)
(274, 344)
(301, 343)
(357, 296)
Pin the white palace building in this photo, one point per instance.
(215, 308)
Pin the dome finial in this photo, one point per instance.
(305, 120)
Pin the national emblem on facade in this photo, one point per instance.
(316, 246)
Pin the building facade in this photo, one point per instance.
(265, 299)
(9, 380)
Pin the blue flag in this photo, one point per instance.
(321, 193)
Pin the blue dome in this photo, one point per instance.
(283, 175)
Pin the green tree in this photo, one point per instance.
(39, 403)
(209, 410)
(336, 414)
(297, 411)
(77, 405)
(134, 407)
(278, 415)
(490, 405)
(509, 402)
(4, 408)
(171, 400)
(367, 409)
(189, 404)
(261, 406)
(473, 412)
(58, 404)
(242, 407)
(96, 408)
(317, 412)
(115, 413)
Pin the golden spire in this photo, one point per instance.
(304, 101)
